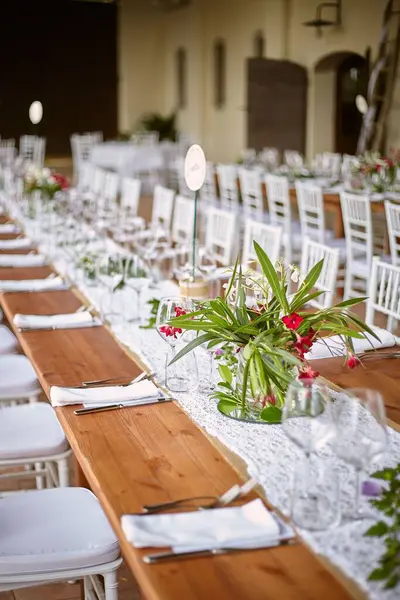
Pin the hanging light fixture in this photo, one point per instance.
(319, 22)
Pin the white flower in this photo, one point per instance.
(46, 173)
(295, 275)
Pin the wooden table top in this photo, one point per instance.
(156, 453)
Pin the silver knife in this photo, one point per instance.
(96, 409)
(152, 559)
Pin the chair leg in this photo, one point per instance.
(40, 478)
(111, 585)
(33, 399)
(63, 473)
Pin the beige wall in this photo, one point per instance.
(149, 41)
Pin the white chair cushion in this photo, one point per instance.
(17, 377)
(8, 341)
(30, 430)
(53, 530)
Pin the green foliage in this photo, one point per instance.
(166, 126)
(154, 303)
(265, 344)
(388, 504)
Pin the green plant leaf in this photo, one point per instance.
(272, 277)
(198, 341)
(379, 574)
(225, 373)
(378, 530)
(271, 414)
(385, 474)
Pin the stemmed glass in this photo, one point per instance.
(110, 273)
(307, 419)
(207, 265)
(183, 375)
(361, 434)
(137, 278)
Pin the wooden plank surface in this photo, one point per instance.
(150, 454)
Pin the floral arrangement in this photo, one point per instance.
(378, 172)
(44, 181)
(271, 336)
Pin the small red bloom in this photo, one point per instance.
(292, 321)
(61, 180)
(179, 312)
(268, 399)
(308, 373)
(304, 343)
(170, 331)
(352, 361)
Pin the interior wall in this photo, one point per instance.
(223, 131)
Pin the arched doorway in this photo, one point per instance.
(339, 77)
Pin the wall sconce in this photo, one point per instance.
(319, 22)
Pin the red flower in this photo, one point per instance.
(308, 373)
(352, 361)
(61, 180)
(268, 399)
(304, 343)
(292, 321)
(179, 312)
(170, 331)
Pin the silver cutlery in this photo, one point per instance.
(152, 559)
(100, 382)
(231, 495)
(98, 409)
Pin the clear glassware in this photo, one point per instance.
(361, 435)
(110, 273)
(181, 376)
(207, 265)
(137, 278)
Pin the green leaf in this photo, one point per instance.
(385, 474)
(198, 341)
(351, 302)
(272, 277)
(379, 574)
(225, 373)
(378, 530)
(271, 414)
(309, 281)
(392, 582)
(232, 279)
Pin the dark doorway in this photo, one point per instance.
(352, 79)
(64, 54)
(276, 104)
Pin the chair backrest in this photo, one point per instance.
(269, 237)
(279, 201)
(182, 223)
(384, 292)
(269, 158)
(251, 190)
(7, 143)
(312, 253)
(228, 188)
(221, 235)
(208, 191)
(293, 159)
(130, 194)
(85, 176)
(97, 182)
(39, 151)
(393, 225)
(310, 201)
(27, 146)
(356, 213)
(146, 138)
(110, 188)
(163, 206)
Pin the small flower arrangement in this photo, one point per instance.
(44, 181)
(271, 335)
(379, 172)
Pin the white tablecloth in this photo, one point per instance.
(127, 158)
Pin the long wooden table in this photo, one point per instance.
(155, 453)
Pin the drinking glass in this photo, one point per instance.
(307, 420)
(361, 435)
(110, 273)
(207, 265)
(137, 278)
(181, 376)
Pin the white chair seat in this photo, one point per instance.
(8, 341)
(17, 377)
(52, 530)
(30, 430)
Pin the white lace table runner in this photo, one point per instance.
(270, 456)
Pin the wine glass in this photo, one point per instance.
(137, 278)
(110, 273)
(361, 434)
(307, 419)
(207, 265)
(181, 376)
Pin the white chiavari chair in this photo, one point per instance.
(8, 341)
(130, 195)
(221, 235)
(356, 212)
(208, 191)
(27, 147)
(163, 207)
(312, 253)
(18, 381)
(280, 213)
(39, 151)
(182, 224)
(58, 535)
(107, 198)
(269, 158)
(228, 187)
(252, 194)
(384, 293)
(393, 224)
(7, 152)
(293, 159)
(269, 237)
(81, 148)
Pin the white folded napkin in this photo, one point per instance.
(32, 285)
(334, 346)
(22, 260)
(62, 396)
(245, 525)
(15, 244)
(8, 228)
(65, 321)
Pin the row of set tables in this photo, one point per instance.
(156, 453)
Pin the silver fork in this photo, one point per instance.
(234, 493)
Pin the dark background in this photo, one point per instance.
(63, 53)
